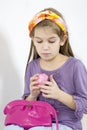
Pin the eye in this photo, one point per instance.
(51, 41)
(39, 41)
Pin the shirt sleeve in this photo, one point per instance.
(27, 81)
(80, 83)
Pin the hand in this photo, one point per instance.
(50, 89)
(34, 87)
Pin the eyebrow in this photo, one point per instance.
(37, 37)
(48, 38)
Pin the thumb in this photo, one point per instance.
(52, 79)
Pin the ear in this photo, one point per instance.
(63, 40)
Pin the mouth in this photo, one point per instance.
(46, 54)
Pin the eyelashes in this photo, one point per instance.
(42, 41)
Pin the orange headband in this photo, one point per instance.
(47, 15)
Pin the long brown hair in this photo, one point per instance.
(65, 49)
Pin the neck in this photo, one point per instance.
(53, 63)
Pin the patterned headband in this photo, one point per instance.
(47, 15)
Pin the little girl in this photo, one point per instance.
(51, 53)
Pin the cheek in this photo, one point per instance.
(38, 49)
(36, 46)
(56, 47)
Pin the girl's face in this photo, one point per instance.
(47, 43)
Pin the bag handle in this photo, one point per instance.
(55, 117)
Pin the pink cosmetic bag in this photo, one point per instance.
(29, 114)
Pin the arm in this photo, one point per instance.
(31, 98)
(27, 81)
(77, 101)
(66, 99)
(34, 88)
(31, 90)
(80, 83)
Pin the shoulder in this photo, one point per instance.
(33, 63)
(75, 65)
(78, 65)
(76, 62)
(33, 66)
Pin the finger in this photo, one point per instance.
(35, 88)
(34, 83)
(45, 87)
(52, 79)
(48, 83)
(46, 95)
(44, 91)
(35, 77)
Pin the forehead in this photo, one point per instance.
(45, 32)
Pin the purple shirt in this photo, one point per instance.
(71, 77)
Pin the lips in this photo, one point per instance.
(46, 54)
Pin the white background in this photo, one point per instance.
(14, 41)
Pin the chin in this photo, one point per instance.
(47, 59)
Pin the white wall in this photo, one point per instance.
(14, 41)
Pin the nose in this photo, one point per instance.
(45, 46)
